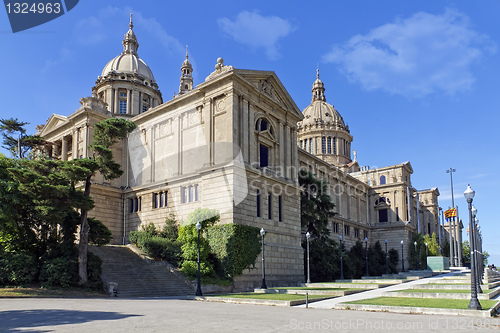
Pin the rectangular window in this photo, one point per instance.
(123, 107)
(311, 146)
(356, 232)
(323, 145)
(335, 227)
(191, 193)
(161, 204)
(365, 234)
(270, 206)
(334, 146)
(258, 203)
(184, 193)
(280, 208)
(135, 205)
(382, 215)
(264, 156)
(346, 230)
(329, 142)
(155, 200)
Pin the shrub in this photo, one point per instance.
(59, 272)
(235, 247)
(17, 269)
(160, 248)
(99, 234)
(170, 229)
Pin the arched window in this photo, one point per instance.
(382, 180)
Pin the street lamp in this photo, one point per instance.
(474, 302)
(477, 259)
(386, 259)
(366, 251)
(402, 257)
(416, 258)
(426, 249)
(308, 236)
(341, 262)
(263, 286)
(198, 287)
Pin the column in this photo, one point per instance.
(246, 127)
(282, 143)
(64, 150)
(129, 101)
(116, 108)
(75, 144)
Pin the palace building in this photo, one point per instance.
(235, 143)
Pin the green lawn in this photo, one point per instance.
(424, 302)
(313, 288)
(42, 292)
(444, 291)
(277, 297)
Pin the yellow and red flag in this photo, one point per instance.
(452, 212)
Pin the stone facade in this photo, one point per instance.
(235, 143)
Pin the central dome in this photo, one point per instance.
(321, 112)
(129, 62)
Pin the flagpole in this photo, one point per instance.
(452, 243)
(459, 243)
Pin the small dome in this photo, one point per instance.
(321, 112)
(128, 63)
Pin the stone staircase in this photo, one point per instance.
(138, 276)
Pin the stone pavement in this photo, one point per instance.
(175, 315)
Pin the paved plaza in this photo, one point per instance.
(176, 315)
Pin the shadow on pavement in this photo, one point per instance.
(29, 320)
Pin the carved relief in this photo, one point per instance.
(163, 129)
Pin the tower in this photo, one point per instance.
(323, 132)
(127, 84)
(186, 84)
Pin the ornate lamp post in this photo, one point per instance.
(402, 257)
(308, 236)
(263, 286)
(476, 250)
(416, 257)
(386, 258)
(341, 262)
(366, 251)
(474, 302)
(198, 287)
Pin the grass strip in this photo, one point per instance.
(444, 291)
(435, 303)
(42, 292)
(276, 297)
(313, 288)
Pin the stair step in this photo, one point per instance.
(137, 277)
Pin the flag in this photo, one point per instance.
(452, 212)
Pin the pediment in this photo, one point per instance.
(53, 122)
(268, 84)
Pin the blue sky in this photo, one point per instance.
(415, 80)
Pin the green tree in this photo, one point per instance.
(316, 206)
(106, 133)
(432, 244)
(15, 138)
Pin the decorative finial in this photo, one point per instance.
(317, 73)
(130, 25)
(187, 56)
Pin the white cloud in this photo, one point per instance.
(414, 57)
(257, 31)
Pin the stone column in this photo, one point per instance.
(116, 108)
(64, 150)
(246, 127)
(75, 144)
(129, 101)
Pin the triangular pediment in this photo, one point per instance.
(54, 122)
(268, 83)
